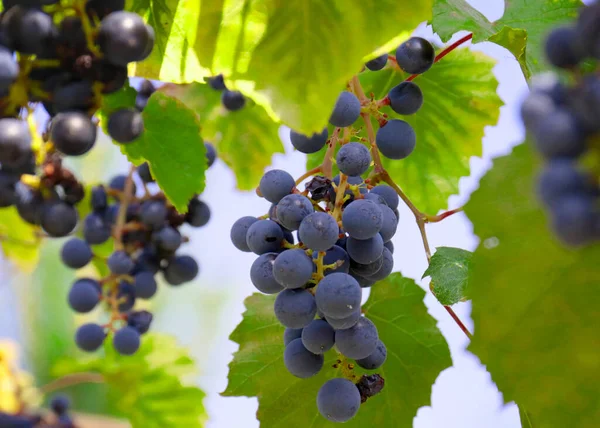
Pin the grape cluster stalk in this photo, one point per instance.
(318, 248)
(562, 117)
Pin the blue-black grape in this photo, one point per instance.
(144, 173)
(378, 199)
(293, 268)
(396, 139)
(346, 110)
(153, 213)
(211, 154)
(561, 178)
(29, 205)
(217, 82)
(386, 268)
(140, 320)
(73, 133)
(264, 236)
(362, 219)
(89, 337)
(120, 263)
(95, 231)
(406, 98)
(84, 295)
(124, 37)
(338, 295)
(390, 246)
(181, 269)
(276, 184)
(295, 308)
(198, 214)
(292, 209)
(15, 142)
(60, 404)
(261, 274)
(389, 224)
(233, 100)
(290, 334)
(99, 198)
(415, 56)
(239, 231)
(389, 194)
(338, 400)
(378, 63)
(559, 135)
(309, 144)
(76, 253)
(318, 337)
(125, 125)
(364, 282)
(319, 231)
(126, 340)
(366, 269)
(145, 285)
(353, 159)
(301, 362)
(335, 255)
(30, 29)
(345, 323)
(58, 218)
(358, 341)
(575, 220)
(74, 96)
(167, 239)
(563, 47)
(535, 107)
(365, 250)
(126, 294)
(376, 359)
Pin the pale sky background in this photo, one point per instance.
(203, 314)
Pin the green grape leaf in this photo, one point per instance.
(417, 353)
(449, 272)
(18, 239)
(524, 23)
(173, 147)
(298, 64)
(525, 418)
(148, 387)
(245, 139)
(534, 301)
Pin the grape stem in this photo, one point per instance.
(71, 380)
(121, 216)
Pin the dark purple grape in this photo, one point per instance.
(140, 320)
(125, 125)
(125, 38)
(126, 341)
(378, 63)
(233, 100)
(406, 98)
(58, 218)
(198, 213)
(15, 142)
(89, 337)
(415, 56)
(181, 269)
(73, 133)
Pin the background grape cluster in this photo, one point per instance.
(318, 248)
(562, 116)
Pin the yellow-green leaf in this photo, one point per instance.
(18, 239)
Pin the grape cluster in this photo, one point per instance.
(231, 100)
(59, 418)
(564, 123)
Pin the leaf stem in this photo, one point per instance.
(70, 380)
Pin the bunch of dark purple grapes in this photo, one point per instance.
(231, 100)
(58, 418)
(563, 119)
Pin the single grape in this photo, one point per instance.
(58, 219)
(290, 334)
(73, 96)
(362, 219)
(76, 253)
(126, 340)
(113, 77)
(406, 98)
(14, 421)
(335, 255)
(292, 209)
(261, 274)
(346, 110)
(30, 29)
(389, 224)
(353, 159)
(535, 108)
(415, 56)
(181, 269)
(217, 82)
(145, 285)
(365, 250)
(276, 184)
(148, 260)
(358, 341)
(239, 231)
(293, 268)
(29, 204)
(233, 100)
(390, 246)
(561, 178)
(126, 294)
(73, 133)
(338, 400)
(9, 71)
(198, 213)
(366, 269)
(140, 320)
(563, 48)
(84, 295)
(345, 323)
(95, 231)
(120, 263)
(376, 359)
(319, 231)
(378, 63)
(60, 404)
(396, 139)
(559, 135)
(575, 220)
(264, 236)
(125, 125)
(153, 213)
(15, 142)
(309, 144)
(389, 194)
(295, 308)
(318, 337)
(364, 282)
(123, 38)
(301, 362)
(99, 198)
(211, 154)
(378, 199)
(89, 337)
(387, 266)
(167, 239)
(338, 295)
(144, 173)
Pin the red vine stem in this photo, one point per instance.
(445, 52)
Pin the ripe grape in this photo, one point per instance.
(574, 220)
(120, 263)
(365, 282)
(30, 205)
(15, 142)
(99, 198)
(73, 96)
(198, 213)
(261, 274)
(126, 296)
(378, 199)
(309, 144)
(390, 246)
(125, 125)
(559, 135)
(318, 337)
(345, 323)
(293, 268)
(358, 341)
(335, 255)
(123, 38)
(60, 404)
(561, 178)
(376, 359)
(391, 197)
(153, 213)
(387, 266)
(167, 239)
(319, 231)
(290, 334)
(415, 56)
(292, 209)
(211, 154)
(301, 362)
(389, 224)
(73, 133)
(406, 98)
(84, 295)
(76, 253)
(563, 48)
(233, 100)
(30, 29)
(239, 231)
(362, 219)
(338, 295)
(378, 63)
(295, 308)
(365, 250)
(95, 230)
(338, 400)
(140, 320)
(217, 82)
(396, 139)
(181, 269)
(264, 236)
(346, 110)
(58, 219)
(144, 173)
(126, 340)
(89, 337)
(276, 184)
(145, 285)
(535, 108)
(353, 159)
(366, 269)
